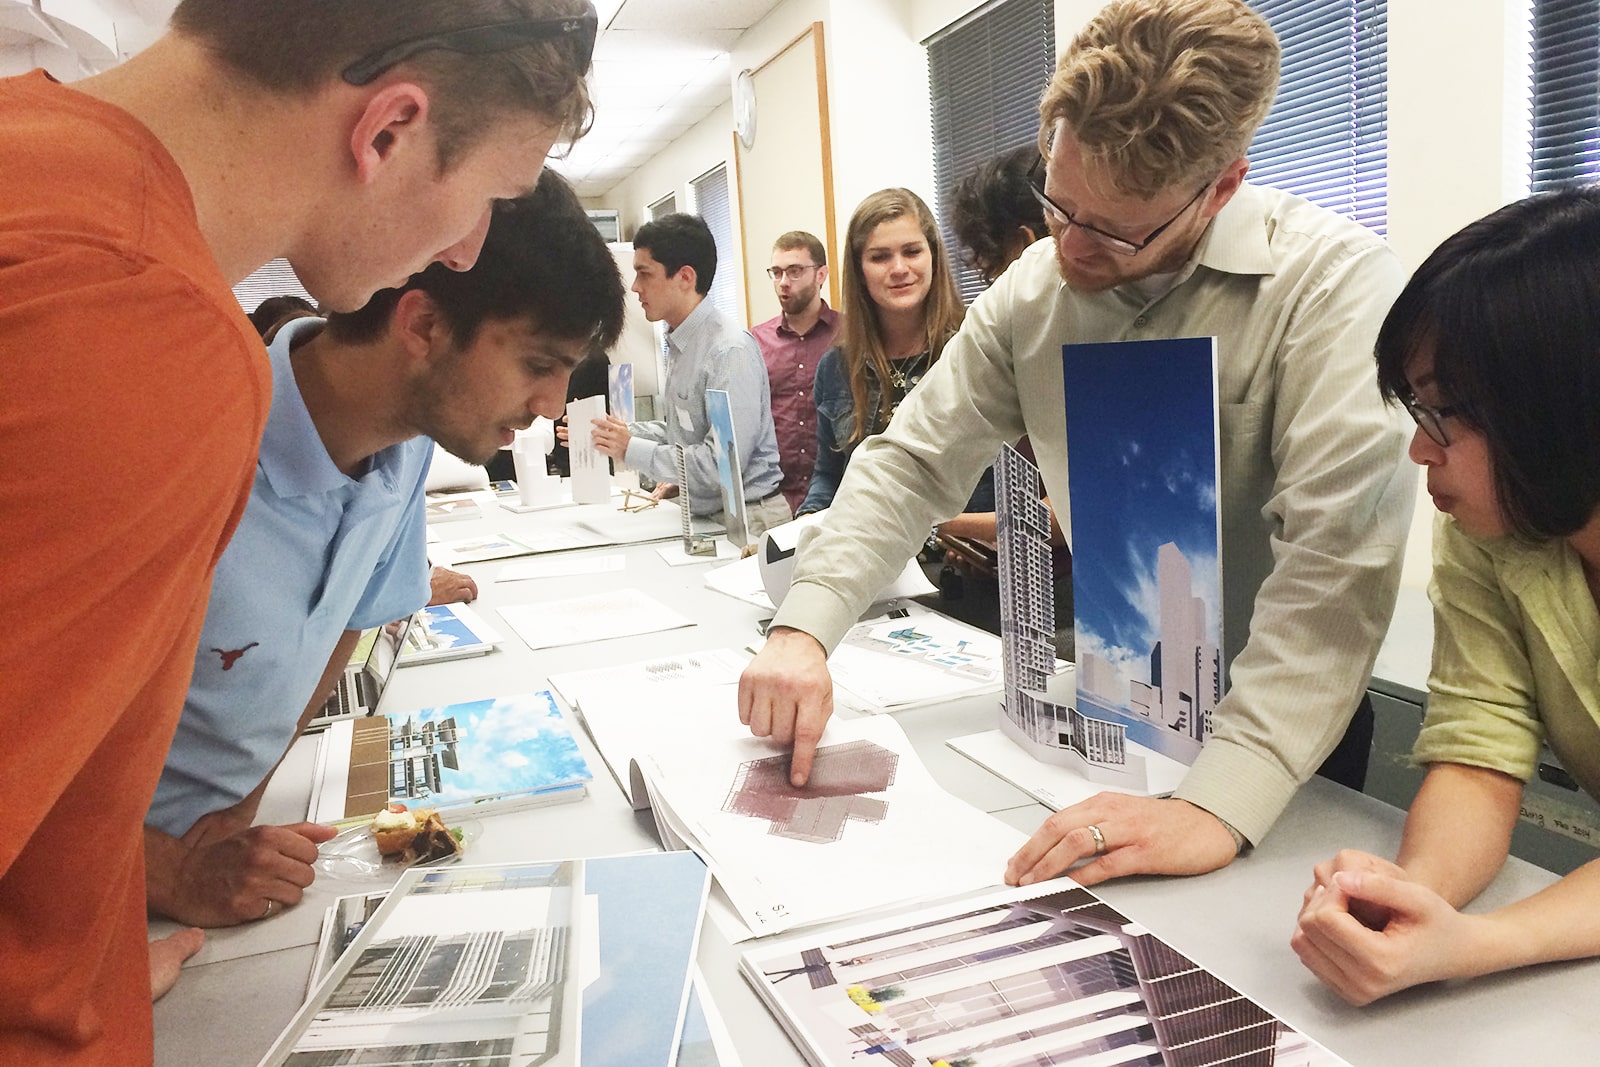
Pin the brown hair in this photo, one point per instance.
(1164, 93)
(798, 239)
(298, 46)
(862, 342)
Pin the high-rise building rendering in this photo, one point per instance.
(1054, 731)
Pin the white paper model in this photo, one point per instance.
(591, 469)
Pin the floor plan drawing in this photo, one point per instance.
(841, 779)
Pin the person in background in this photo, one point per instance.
(592, 377)
(792, 344)
(333, 540)
(901, 307)
(674, 262)
(994, 213)
(996, 217)
(1494, 348)
(274, 311)
(1156, 234)
(377, 138)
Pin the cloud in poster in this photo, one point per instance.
(511, 744)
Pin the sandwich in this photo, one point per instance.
(413, 836)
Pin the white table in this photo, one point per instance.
(1236, 921)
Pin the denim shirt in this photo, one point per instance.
(836, 422)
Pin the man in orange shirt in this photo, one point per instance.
(360, 140)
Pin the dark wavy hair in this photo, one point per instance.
(1509, 309)
(991, 204)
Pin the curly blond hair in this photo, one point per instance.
(1162, 93)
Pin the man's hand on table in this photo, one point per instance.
(1141, 835)
(229, 877)
(166, 958)
(786, 694)
(450, 587)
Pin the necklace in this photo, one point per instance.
(902, 370)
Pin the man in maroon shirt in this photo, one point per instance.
(792, 343)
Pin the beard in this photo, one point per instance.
(797, 300)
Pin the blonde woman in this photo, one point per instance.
(900, 307)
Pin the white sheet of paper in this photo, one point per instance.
(1055, 786)
(742, 581)
(632, 700)
(560, 567)
(596, 617)
(673, 555)
(909, 841)
(923, 657)
(591, 470)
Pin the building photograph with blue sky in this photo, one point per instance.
(1142, 442)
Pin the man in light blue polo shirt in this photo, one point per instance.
(674, 260)
(333, 539)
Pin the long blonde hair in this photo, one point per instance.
(862, 345)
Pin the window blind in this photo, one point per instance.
(1326, 138)
(1565, 93)
(714, 204)
(275, 279)
(986, 73)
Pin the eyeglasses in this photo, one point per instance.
(1110, 241)
(481, 40)
(794, 272)
(1430, 419)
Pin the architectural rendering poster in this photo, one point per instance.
(1146, 576)
(535, 964)
(619, 386)
(1039, 976)
(719, 412)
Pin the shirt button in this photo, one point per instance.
(1142, 321)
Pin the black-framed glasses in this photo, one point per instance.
(1110, 241)
(482, 40)
(794, 271)
(1431, 419)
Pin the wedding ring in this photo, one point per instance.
(1099, 839)
(270, 908)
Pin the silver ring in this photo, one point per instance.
(270, 908)
(1099, 839)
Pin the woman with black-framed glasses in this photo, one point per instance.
(1494, 348)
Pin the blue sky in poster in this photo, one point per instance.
(719, 413)
(1142, 471)
(650, 907)
(510, 745)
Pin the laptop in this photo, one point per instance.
(361, 685)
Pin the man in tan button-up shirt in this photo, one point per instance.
(1156, 234)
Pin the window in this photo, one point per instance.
(275, 279)
(1326, 138)
(1565, 93)
(665, 206)
(985, 76)
(713, 203)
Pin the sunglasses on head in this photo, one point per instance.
(482, 40)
